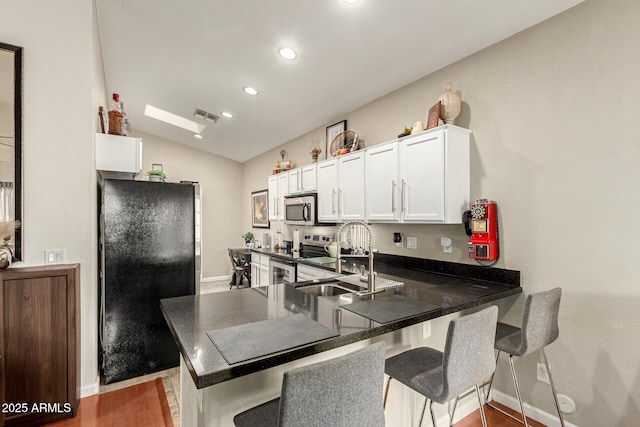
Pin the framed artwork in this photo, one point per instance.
(333, 131)
(260, 209)
(433, 119)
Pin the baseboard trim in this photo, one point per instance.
(90, 390)
(215, 279)
(532, 412)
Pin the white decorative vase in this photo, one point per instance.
(449, 105)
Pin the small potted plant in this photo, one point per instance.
(248, 239)
(156, 175)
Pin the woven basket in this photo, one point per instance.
(347, 139)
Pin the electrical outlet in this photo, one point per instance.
(412, 243)
(542, 374)
(426, 330)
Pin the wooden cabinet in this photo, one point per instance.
(40, 343)
(278, 186)
(341, 189)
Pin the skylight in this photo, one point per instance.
(172, 119)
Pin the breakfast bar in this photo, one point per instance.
(219, 378)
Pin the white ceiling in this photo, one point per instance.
(182, 55)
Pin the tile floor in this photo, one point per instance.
(171, 377)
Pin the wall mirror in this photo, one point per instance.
(11, 149)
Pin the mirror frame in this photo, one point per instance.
(17, 167)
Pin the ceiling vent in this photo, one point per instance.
(205, 115)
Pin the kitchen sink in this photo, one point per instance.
(329, 289)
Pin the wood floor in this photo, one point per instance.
(109, 408)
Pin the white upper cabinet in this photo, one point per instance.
(351, 187)
(381, 180)
(434, 174)
(341, 188)
(423, 178)
(328, 191)
(303, 180)
(278, 188)
(116, 153)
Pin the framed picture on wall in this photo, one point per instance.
(333, 131)
(260, 209)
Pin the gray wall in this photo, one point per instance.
(555, 142)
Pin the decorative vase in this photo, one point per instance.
(5, 258)
(450, 103)
(314, 150)
(155, 178)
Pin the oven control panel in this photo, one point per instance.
(317, 239)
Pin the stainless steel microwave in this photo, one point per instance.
(301, 209)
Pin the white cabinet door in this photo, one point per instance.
(308, 178)
(328, 191)
(272, 186)
(295, 181)
(278, 186)
(116, 153)
(351, 187)
(422, 183)
(381, 182)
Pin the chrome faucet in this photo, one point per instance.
(358, 235)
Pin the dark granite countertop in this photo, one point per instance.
(450, 287)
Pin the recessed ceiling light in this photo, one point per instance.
(172, 119)
(250, 91)
(351, 1)
(287, 53)
(227, 115)
(197, 135)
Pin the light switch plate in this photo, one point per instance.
(54, 256)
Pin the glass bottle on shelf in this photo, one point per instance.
(278, 241)
(115, 116)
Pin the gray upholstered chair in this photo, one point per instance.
(467, 361)
(539, 329)
(345, 391)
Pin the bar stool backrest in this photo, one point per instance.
(468, 357)
(345, 391)
(539, 321)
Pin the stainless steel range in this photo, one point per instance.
(313, 245)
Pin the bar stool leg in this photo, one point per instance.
(491, 380)
(433, 416)
(453, 412)
(553, 388)
(515, 383)
(386, 393)
(482, 415)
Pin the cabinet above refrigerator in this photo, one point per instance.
(118, 156)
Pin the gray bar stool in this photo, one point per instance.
(539, 329)
(467, 361)
(341, 392)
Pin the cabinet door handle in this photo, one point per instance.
(299, 180)
(275, 206)
(393, 196)
(340, 205)
(403, 195)
(333, 201)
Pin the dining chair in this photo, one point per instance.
(441, 376)
(239, 268)
(539, 329)
(342, 392)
